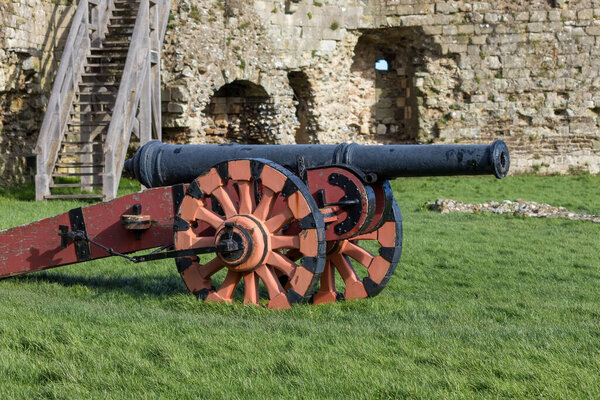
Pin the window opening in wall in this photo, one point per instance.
(382, 65)
(400, 85)
(382, 71)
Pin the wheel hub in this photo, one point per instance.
(248, 239)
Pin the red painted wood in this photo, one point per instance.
(37, 246)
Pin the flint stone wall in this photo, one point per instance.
(459, 72)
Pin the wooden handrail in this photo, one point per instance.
(164, 12)
(80, 18)
(139, 88)
(62, 96)
(128, 97)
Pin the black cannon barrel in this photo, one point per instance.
(161, 164)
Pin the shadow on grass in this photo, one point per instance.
(156, 286)
(20, 192)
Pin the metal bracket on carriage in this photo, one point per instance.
(136, 222)
(69, 236)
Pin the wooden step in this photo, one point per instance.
(79, 153)
(103, 56)
(120, 43)
(72, 174)
(100, 96)
(107, 92)
(98, 84)
(113, 49)
(91, 123)
(96, 126)
(105, 65)
(97, 74)
(75, 137)
(74, 196)
(99, 91)
(92, 103)
(72, 185)
(78, 164)
(91, 113)
(79, 143)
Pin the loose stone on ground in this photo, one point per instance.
(518, 207)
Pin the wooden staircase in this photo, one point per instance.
(107, 87)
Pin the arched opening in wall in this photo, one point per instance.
(241, 111)
(387, 74)
(304, 97)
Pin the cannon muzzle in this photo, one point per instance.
(161, 164)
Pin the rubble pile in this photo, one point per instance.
(517, 207)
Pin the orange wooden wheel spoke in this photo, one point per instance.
(326, 293)
(228, 286)
(344, 268)
(358, 253)
(269, 278)
(251, 288)
(266, 203)
(246, 198)
(366, 236)
(226, 203)
(203, 241)
(281, 263)
(210, 268)
(211, 218)
(285, 242)
(328, 278)
(280, 220)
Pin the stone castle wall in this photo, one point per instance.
(304, 71)
(32, 35)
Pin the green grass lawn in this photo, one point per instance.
(481, 306)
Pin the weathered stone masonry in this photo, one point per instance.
(304, 71)
(32, 34)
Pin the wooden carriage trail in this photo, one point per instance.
(106, 88)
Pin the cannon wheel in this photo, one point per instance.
(379, 268)
(268, 212)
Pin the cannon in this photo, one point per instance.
(294, 223)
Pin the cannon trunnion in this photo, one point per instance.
(292, 223)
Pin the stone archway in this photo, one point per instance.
(241, 111)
